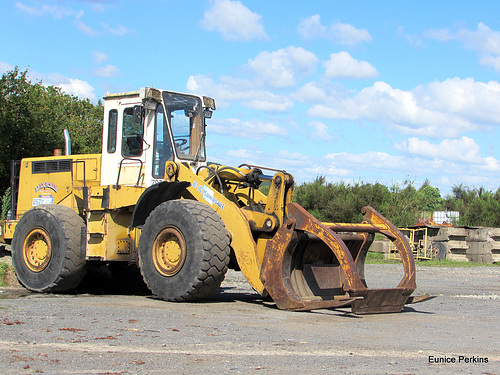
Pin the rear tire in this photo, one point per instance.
(46, 249)
(183, 250)
(440, 253)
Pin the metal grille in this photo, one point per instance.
(51, 166)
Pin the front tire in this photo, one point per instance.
(46, 249)
(183, 250)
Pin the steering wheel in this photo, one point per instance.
(179, 142)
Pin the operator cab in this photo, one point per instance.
(143, 130)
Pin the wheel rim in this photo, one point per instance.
(169, 252)
(37, 250)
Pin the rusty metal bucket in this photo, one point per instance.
(312, 265)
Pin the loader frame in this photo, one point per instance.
(185, 229)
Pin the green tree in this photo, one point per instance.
(341, 202)
(33, 117)
(477, 206)
(430, 198)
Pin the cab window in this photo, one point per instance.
(162, 146)
(112, 125)
(132, 140)
(184, 116)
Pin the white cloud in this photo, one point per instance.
(286, 160)
(311, 28)
(319, 131)
(491, 164)
(78, 88)
(270, 103)
(311, 93)
(98, 5)
(231, 89)
(5, 67)
(252, 129)
(324, 169)
(473, 101)
(234, 21)
(383, 167)
(348, 34)
(55, 11)
(338, 32)
(59, 12)
(413, 40)
(71, 86)
(370, 160)
(240, 154)
(277, 158)
(268, 70)
(440, 109)
(228, 89)
(484, 40)
(99, 57)
(343, 65)
(279, 68)
(32, 11)
(120, 30)
(464, 149)
(106, 71)
(85, 28)
(493, 61)
(441, 35)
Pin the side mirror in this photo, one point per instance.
(207, 113)
(138, 114)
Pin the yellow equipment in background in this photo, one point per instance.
(151, 199)
(422, 247)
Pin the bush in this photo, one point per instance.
(5, 204)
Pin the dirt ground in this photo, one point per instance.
(99, 331)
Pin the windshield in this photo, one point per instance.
(185, 118)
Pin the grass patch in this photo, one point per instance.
(454, 263)
(5, 270)
(379, 258)
(373, 257)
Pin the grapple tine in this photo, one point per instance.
(277, 277)
(310, 265)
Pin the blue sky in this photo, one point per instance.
(368, 91)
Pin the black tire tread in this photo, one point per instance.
(215, 253)
(73, 267)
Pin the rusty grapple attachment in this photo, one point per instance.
(312, 265)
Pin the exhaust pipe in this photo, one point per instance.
(67, 142)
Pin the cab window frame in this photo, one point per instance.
(112, 131)
(132, 135)
(166, 143)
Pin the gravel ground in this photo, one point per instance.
(237, 332)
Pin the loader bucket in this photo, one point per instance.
(312, 265)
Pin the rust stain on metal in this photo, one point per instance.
(297, 275)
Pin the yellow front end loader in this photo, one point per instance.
(151, 199)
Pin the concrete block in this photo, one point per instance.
(483, 234)
(495, 255)
(456, 250)
(480, 252)
(380, 247)
(449, 234)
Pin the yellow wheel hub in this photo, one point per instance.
(169, 252)
(37, 250)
